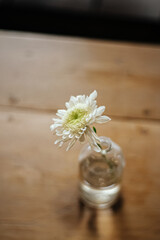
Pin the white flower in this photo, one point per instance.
(74, 123)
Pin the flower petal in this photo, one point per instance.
(72, 101)
(59, 131)
(55, 125)
(93, 135)
(61, 112)
(61, 140)
(60, 144)
(93, 95)
(79, 98)
(67, 105)
(102, 119)
(72, 142)
(100, 110)
(83, 99)
(57, 120)
(94, 146)
(58, 141)
(93, 139)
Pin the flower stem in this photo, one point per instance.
(110, 164)
(99, 146)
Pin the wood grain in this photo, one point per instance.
(39, 71)
(38, 183)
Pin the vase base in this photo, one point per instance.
(99, 198)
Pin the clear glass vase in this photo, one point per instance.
(101, 174)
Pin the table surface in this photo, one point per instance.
(38, 182)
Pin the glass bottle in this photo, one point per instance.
(101, 174)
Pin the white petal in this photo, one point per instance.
(93, 95)
(72, 101)
(64, 137)
(72, 142)
(65, 132)
(94, 112)
(77, 136)
(59, 132)
(71, 135)
(91, 133)
(79, 98)
(54, 126)
(83, 99)
(57, 141)
(100, 110)
(61, 112)
(60, 144)
(84, 129)
(93, 145)
(61, 140)
(57, 120)
(102, 119)
(67, 105)
(93, 139)
(91, 121)
(89, 117)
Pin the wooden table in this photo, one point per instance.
(38, 182)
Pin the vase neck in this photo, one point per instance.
(106, 144)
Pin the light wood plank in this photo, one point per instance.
(38, 183)
(38, 71)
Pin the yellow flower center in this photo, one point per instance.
(75, 119)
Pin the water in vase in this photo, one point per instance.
(100, 178)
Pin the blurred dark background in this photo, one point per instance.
(122, 20)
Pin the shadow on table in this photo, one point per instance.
(92, 222)
(111, 223)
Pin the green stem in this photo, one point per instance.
(110, 164)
